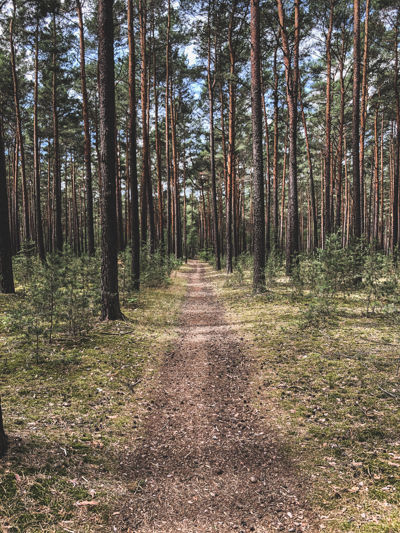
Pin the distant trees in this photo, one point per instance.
(184, 124)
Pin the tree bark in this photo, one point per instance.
(132, 165)
(36, 156)
(291, 72)
(211, 84)
(258, 170)
(87, 140)
(109, 266)
(57, 229)
(6, 271)
(3, 438)
(327, 188)
(25, 203)
(356, 123)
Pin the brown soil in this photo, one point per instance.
(207, 461)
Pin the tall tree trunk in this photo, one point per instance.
(313, 204)
(275, 208)
(327, 187)
(292, 76)
(339, 182)
(268, 182)
(167, 152)
(258, 171)
(87, 141)
(396, 177)
(158, 143)
(109, 266)
(57, 231)
(132, 165)
(176, 197)
(363, 115)
(356, 123)
(36, 156)
(25, 203)
(231, 146)
(211, 84)
(145, 139)
(6, 271)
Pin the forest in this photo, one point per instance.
(199, 266)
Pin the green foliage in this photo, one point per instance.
(155, 268)
(381, 283)
(60, 296)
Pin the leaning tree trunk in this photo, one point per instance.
(258, 172)
(6, 271)
(109, 234)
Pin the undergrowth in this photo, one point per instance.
(327, 346)
(70, 387)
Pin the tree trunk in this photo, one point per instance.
(6, 271)
(132, 164)
(356, 123)
(57, 230)
(275, 208)
(258, 171)
(291, 71)
(313, 204)
(167, 152)
(396, 177)
(327, 187)
(87, 141)
(363, 115)
(109, 266)
(36, 156)
(211, 85)
(25, 203)
(231, 145)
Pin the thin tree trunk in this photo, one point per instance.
(87, 140)
(132, 166)
(57, 232)
(292, 76)
(363, 115)
(36, 156)
(356, 123)
(327, 187)
(25, 203)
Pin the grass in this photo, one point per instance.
(329, 380)
(70, 416)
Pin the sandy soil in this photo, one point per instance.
(207, 461)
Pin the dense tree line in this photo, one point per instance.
(259, 126)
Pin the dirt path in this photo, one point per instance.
(207, 462)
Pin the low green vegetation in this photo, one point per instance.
(72, 386)
(326, 345)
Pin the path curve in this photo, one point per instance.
(207, 462)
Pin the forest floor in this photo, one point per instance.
(209, 410)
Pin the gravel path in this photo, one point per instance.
(207, 462)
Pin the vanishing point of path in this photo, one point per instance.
(206, 461)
